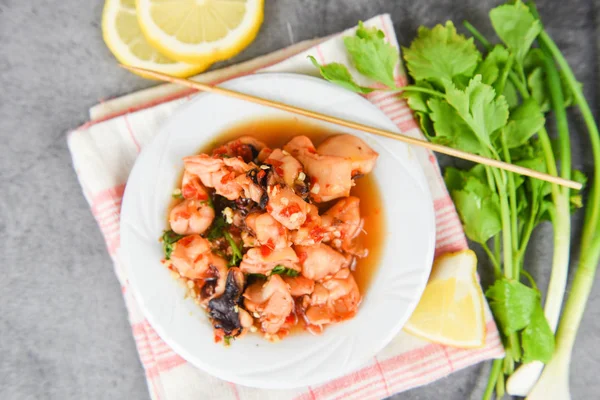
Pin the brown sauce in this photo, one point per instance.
(277, 132)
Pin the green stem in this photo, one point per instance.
(560, 196)
(412, 88)
(506, 225)
(500, 387)
(495, 262)
(592, 216)
(526, 234)
(530, 279)
(505, 72)
(477, 35)
(512, 196)
(497, 247)
(513, 339)
(494, 373)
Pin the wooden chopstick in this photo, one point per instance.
(354, 125)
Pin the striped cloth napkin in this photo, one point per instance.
(104, 151)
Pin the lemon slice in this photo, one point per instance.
(451, 309)
(124, 38)
(199, 31)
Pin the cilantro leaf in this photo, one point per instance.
(510, 94)
(168, 239)
(450, 129)
(537, 338)
(236, 253)
(372, 56)
(479, 107)
(523, 122)
(282, 270)
(440, 54)
(491, 67)
(513, 304)
(457, 178)
(338, 73)
(217, 228)
(516, 27)
(537, 86)
(479, 209)
(417, 101)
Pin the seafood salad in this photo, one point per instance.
(267, 239)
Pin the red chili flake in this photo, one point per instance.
(290, 210)
(269, 208)
(185, 241)
(302, 256)
(267, 248)
(290, 319)
(261, 174)
(313, 180)
(227, 177)
(183, 214)
(279, 171)
(220, 151)
(317, 233)
(311, 150)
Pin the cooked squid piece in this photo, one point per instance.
(192, 188)
(343, 225)
(193, 259)
(320, 261)
(218, 173)
(267, 230)
(262, 260)
(191, 216)
(299, 285)
(245, 147)
(334, 300)
(362, 156)
(228, 318)
(331, 176)
(286, 207)
(286, 166)
(270, 302)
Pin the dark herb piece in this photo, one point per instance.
(224, 310)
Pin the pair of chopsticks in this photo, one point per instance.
(354, 125)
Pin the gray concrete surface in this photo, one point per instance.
(63, 328)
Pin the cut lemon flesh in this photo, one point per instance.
(450, 311)
(200, 31)
(124, 38)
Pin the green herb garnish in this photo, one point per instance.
(282, 270)
(169, 238)
(236, 252)
(217, 228)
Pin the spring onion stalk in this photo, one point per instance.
(554, 381)
(521, 382)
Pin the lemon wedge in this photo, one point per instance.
(450, 311)
(200, 31)
(124, 38)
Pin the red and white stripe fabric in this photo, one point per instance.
(104, 151)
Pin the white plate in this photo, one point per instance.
(301, 359)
